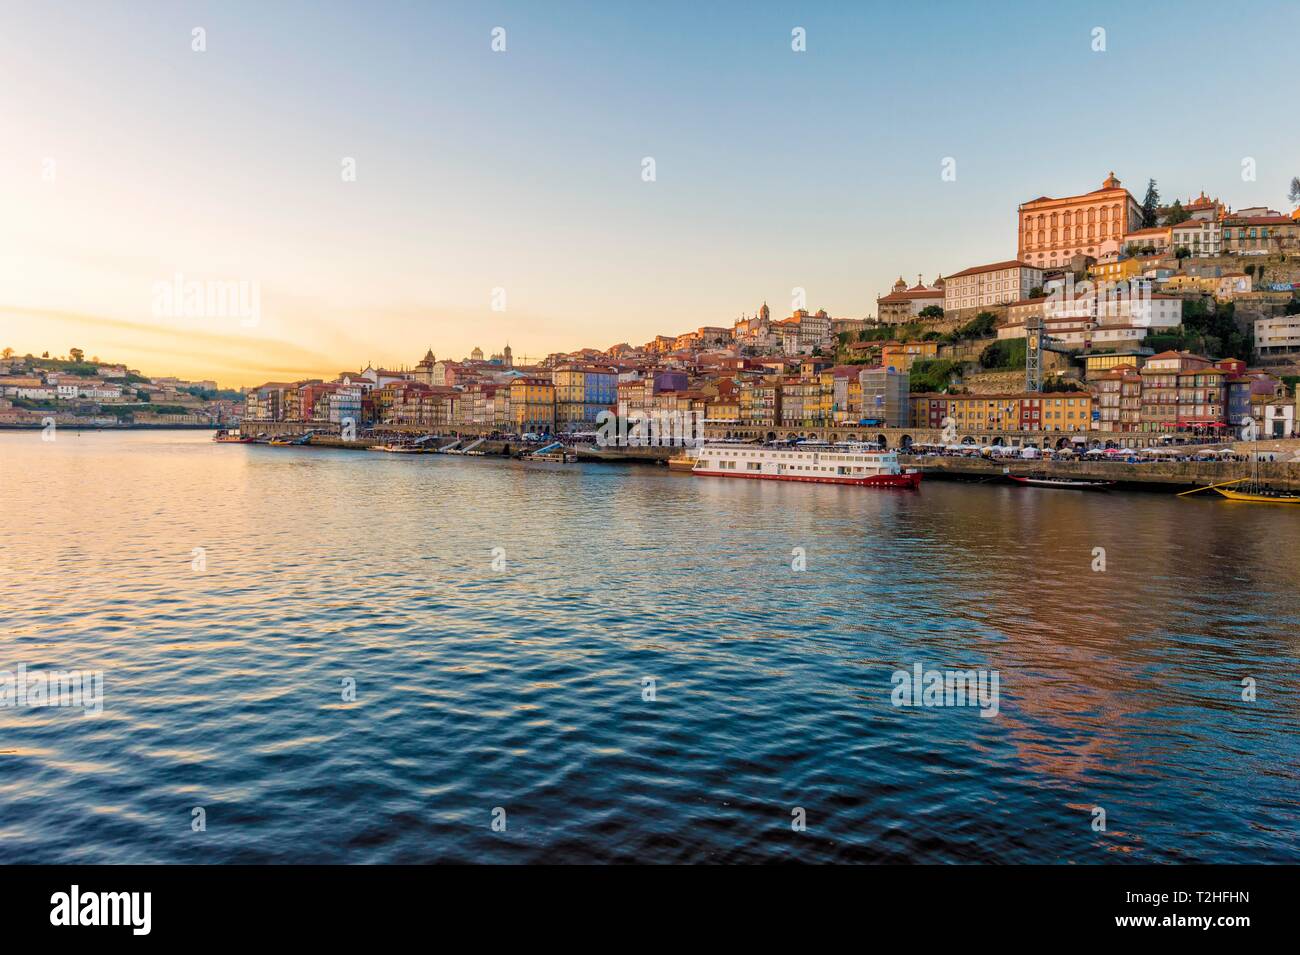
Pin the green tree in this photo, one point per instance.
(76, 354)
(1006, 354)
(931, 311)
(1177, 213)
(1149, 205)
(1294, 194)
(929, 375)
(1182, 252)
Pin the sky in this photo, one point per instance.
(501, 197)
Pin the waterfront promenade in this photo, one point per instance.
(1156, 474)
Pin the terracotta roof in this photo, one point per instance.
(911, 295)
(1260, 220)
(995, 267)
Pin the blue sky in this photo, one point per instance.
(522, 170)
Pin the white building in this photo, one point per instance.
(99, 390)
(1232, 284)
(998, 284)
(1278, 420)
(1096, 320)
(1201, 237)
(1277, 336)
(1156, 238)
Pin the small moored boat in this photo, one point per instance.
(684, 461)
(1261, 495)
(224, 436)
(1067, 484)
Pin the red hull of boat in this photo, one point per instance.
(910, 481)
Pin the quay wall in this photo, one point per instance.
(1175, 474)
(900, 437)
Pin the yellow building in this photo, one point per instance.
(1190, 283)
(1120, 270)
(901, 355)
(985, 412)
(532, 402)
(854, 390)
(723, 410)
(826, 397)
(1029, 411)
(1062, 411)
(1102, 362)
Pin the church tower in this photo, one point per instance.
(508, 357)
(424, 368)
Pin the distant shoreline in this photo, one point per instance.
(113, 427)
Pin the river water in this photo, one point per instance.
(331, 656)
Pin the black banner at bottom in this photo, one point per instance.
(336, 904)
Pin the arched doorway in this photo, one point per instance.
(1062, 443)
(882, 441)
(771, 436)
(905, 442)
(998, 442)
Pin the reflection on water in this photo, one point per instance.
(229, 593)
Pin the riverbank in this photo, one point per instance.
(1148, 474)
(92, 426)
(1154, 474)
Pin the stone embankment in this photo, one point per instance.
(1171, 474)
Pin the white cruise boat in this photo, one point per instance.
(819, 463)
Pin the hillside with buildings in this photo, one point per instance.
(87, 392)
(1179, 318)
